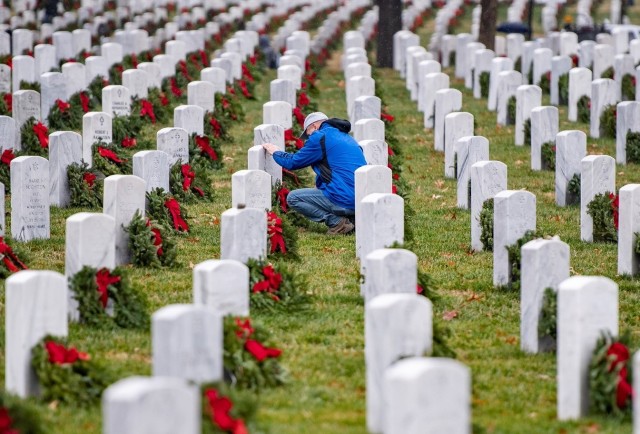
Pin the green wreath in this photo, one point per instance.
(584, 109)
(608, 120)
(275, 286)
(548, 155)
(151, 244)
(110, 159)
(20, 415)
(486, 225)
(158, 209)
(515, 258)
(85, 185)
(602, 213)
(199, 187)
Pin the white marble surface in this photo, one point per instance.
(587, 306)
(627, 120)
(123, 196)
(8, 132)
(482, 63)
(190, 118)
(508, 83)
(446, 101)
(462, 39)
(544, 264)
(425, 68)
(376, 152)
(75, 76)
(283, 90)
(96, 127)
(498, 65)
(514, 213)
(628, 225)
(488, 178)
(215, 76)
(427, 395)
(187, 343)
(366, 107)
(223, 286)
(432, 83)
(278, 113)
(396, 325)
(243, 234)
(388, 271)
(579, 86)
(541, 63)
(604, 92)
(597, 175)
(602, 59)
(369, 179)
(560, 65)
(468, 151)
(356, 87)
(65, 147)
(151, 405)
(270, 133)
(369, 129)
(96, 66)
(35, 306)
(153, 167)
(116, 100)
(571, 148)
(382, 221)
(470, 59)
(22, 69)
(154, 74)
(30, 215)
(456, 126)
(527, 98)
(202, 94)
(251, 188)
(292, 73)
(175, 142)
(544, 128)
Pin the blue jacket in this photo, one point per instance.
(335, 172)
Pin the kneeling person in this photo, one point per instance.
(334, 156)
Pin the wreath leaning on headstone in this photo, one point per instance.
(486, 225)
(282, 237)
(165, 209)
(13, 259)
(85, 185)
(573, 189)
(515, 258)
(603, 209)
(151, 244)
(485, 78)
(511, 111)
(34, 136)
(548, 155)
(527, 132)
(205, 150)
(563, 89)
(633, 147)
(19, 416)
(106, 298)
(275, 286)
(608, 120)
(67, 375)
(189, 183)
(584, 109)
(226, 409)
(628, 88)
(110, 159)
(249, 355)
(548, 320)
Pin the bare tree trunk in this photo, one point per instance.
(488, 20)
(390, 22)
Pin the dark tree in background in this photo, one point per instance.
(390, 22)
(488, 23)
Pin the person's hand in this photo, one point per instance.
(270, 148)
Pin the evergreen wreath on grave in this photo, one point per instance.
(197, 60)
(229, 106)
(115, 74)
(292, 141)
(213, 127)
(30, 85)
(85, 100)
(530, 74)
(527, 132)
(243, 87)
(584, 109)
(485, 78)
(110, 159)
(151, 244)
(573, 188)
(628, 87)
(5, 166)
(610, 391)
(19, 416)
(279, 194)
(10, 259)
(511, 111)
(35, 138)
(96, 85)
(548, 155)
(67, 375)
(545, 82)
(563, 89)
(165, 209)
(249, 355)
(608, 73)
(517, 65)
(189, 183)
(486, 225)
(452, 58)
(282, 237)
(156, 108)
(604, 209)
(226, 409)
(304, 103)
(548, 320)
(205, 150)
(608, 120)
(125, 130)
(93, 288)
(515, 258)
(6, 104)
(85, 185)
(275, 286)
(633, 147)
(63, 116)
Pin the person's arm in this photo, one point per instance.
(309, 154)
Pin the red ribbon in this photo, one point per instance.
(157, 240)
(84, 101)
(164, 100)
(243, 88)
(146, 109)
(42, 132)
(174, 209)
(290, 139)
(244, 330)
(6, 423)
(9, 258)
(615, 207)
(246, 73)
(255, 348)
(89, 178)
(60, 355)
(225, 103)
(62, 105)
(188, 176)
(217, 128)
(387, 117)
(303, 100)
(184, 71)
(297, 112)
(103, 280)
(220, 408)
(129, 142)
(282, 198)
(204, 58)
(231, 90)
(175, 90)
(292, 175)
(7, 156)
(134, 61)
(205, 147)
(109, 155)
(619, 355)
(252, 59)
(274, 232)
(8, 101)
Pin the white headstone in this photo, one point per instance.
(571, 148)
(243, 234)
(223, 286)
(597, 176)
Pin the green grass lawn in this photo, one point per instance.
(324, 343)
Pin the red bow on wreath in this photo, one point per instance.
(303, 100)
(6, 423)
(255, 348)
(188, 176)
(109, 155)
(615, 207)
(244, 330)
(62, 105)
(271, 282)
(205, 147)
(89, 178)
(10, 259)
(243, 88)
(246, 73)
(7, 156)
(129, 142)
(42, 132)
(103, 280)
(179, 224)
(157, 238)
(164, 100)
(8, 101)
(220, 408)
(146, 109)
(134, 61)
(225, 103)
(204, 58)
(184, 71)
(84, 102)
(252, 59)
(282, 198)
(175, 90)
(297, 112)
(274, 232)
(387, 117)
(217, 128)
(290, 139)
(619, 355)
(60, 355)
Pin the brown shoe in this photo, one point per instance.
(344, 227)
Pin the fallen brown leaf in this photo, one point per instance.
(448, 316)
